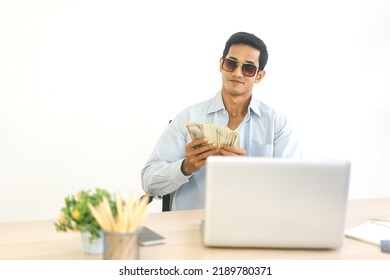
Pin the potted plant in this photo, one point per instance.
(76, 216)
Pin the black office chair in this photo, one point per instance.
(166, 201)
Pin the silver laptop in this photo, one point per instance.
(275, 203)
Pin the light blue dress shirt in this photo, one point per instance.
(264, 132)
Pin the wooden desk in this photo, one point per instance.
(39, 240)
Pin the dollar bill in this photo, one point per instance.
(215, 133)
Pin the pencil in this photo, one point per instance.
(129, 218)
(387, 220)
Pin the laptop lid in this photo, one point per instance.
(275, 203)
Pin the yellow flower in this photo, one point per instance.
(62, 219)
(78, 196)
(75, 214)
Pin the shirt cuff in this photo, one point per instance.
(178, 177)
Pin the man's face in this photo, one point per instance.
(236, 83)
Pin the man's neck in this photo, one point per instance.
(237, 107)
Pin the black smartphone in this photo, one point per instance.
(148, 237)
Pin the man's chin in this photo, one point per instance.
(235, 92)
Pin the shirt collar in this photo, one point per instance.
(216, 105)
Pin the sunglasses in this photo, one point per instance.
(229, 65)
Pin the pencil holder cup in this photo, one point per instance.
(121, 246)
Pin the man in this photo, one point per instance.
(177, 164)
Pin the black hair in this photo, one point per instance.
(250, 40)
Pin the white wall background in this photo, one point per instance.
(86, 87)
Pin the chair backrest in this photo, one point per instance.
(167, 202)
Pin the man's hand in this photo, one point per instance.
(227, 150)
(196, 154)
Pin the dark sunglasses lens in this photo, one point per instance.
(229, 65)
(249, 70)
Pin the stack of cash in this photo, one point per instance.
(214, 133)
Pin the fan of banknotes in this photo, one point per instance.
(214, 133)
